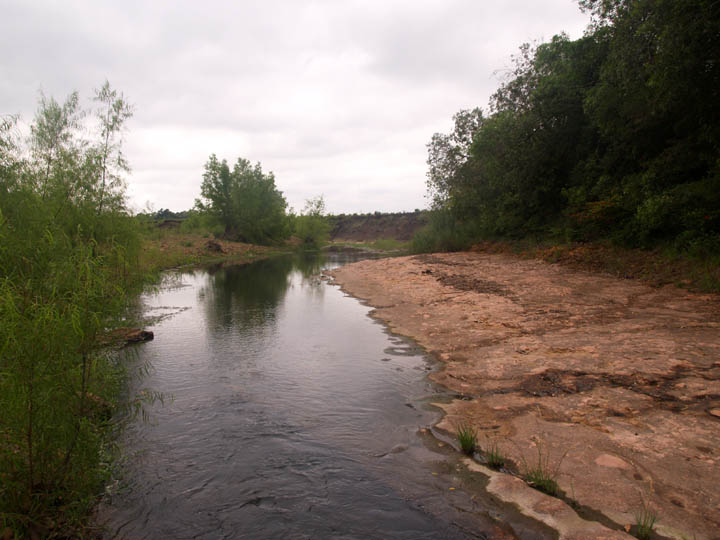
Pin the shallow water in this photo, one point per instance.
(293, 415)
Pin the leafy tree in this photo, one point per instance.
(657, 109)
(112, 113)
(448, 153)
(244, 200)
(52, 133)
(614, 135)
(312, 225)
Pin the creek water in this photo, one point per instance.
(288, 413)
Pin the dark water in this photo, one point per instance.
(294, 415)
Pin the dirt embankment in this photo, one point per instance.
(366, 227)
(620, 378)
(173, 249)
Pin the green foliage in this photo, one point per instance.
(467, 437)
(245, 201)
(67, 252)
(312, 226)
(196, 221)
(444, 232)
(388, 244)
(611, 136)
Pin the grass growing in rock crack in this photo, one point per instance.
(542, 475)
(494, 456)
(467, 437)
(645, 522)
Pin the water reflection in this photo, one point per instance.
(290, 407)
(245, 295)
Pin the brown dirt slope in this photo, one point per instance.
(620, 378)
(367, 227)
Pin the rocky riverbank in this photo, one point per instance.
(612, 383)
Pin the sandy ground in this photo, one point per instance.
(613, 383)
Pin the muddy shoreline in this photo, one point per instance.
(613, 382)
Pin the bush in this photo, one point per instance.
(68, 252)
(312, 227)
(443, 233)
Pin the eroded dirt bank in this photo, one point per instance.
(620, 378)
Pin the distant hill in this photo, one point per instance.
(366, 227)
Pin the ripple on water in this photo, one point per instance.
(280, 411)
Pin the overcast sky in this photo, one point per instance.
(336, 97)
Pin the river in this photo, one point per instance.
(288, 413)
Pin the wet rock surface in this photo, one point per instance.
(614, 383)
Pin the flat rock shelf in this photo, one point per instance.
(614, 384)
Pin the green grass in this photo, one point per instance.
(494, 456)
(542, 475)
(381, 244)
(467, 437)
(645, 522)
(389, 244)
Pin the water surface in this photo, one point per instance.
(294, 415)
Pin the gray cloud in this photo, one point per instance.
(335, 96)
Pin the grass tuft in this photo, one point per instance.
(467, 437)
(543, 476)
(645, 522)
(494, 456)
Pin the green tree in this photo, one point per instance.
(244, 200)
(52, 136)
(112, 113)
(657, 108)
(614, 135)
(448, 154)
(312, 226)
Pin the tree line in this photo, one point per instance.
(613, 136)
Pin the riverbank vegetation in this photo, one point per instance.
(311, 226)
(244, 201)
(248, 207)
(73, 257)
(68, 252)
(612, 138)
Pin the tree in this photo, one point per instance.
(53, 138)
(312, 226)
(448, 153)
(614, 135)
(112, 114)
(244, 200)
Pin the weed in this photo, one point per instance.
(645, 522)
(467, 437)
(543, 476)
(494, 456)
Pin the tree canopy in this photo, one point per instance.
(244, 200)
(613, 135)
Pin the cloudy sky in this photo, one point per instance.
(336, 97)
